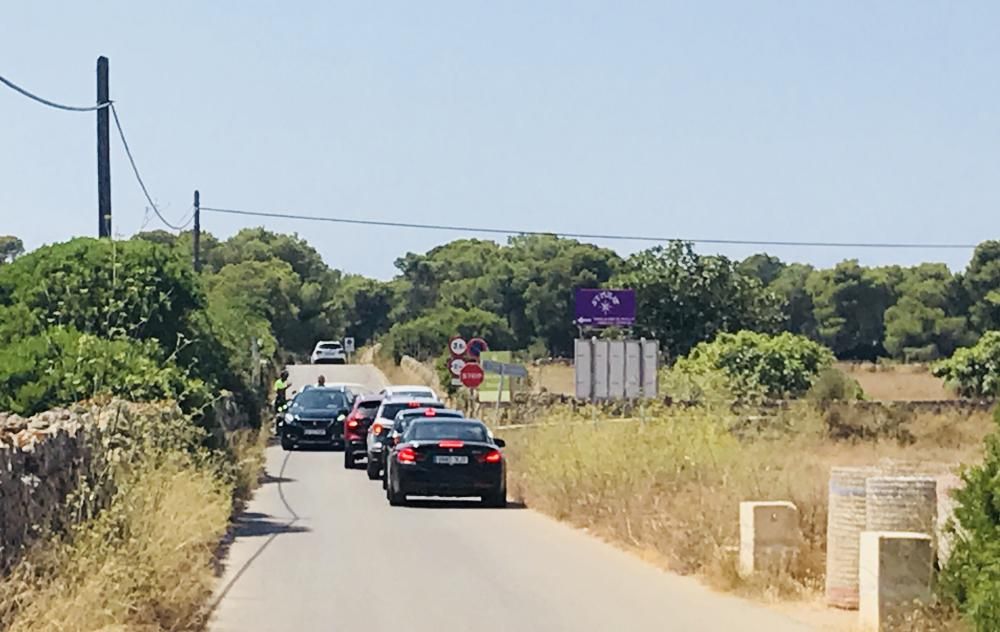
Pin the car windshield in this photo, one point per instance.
(389, 411)
(435, 430)
(316, 398)
(367, 408)
(330, 345)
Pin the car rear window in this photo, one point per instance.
(435, 430)
(389, 411)
(330, 345)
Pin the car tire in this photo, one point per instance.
(496, 500)
(287, 444)
(395, 499)
(348, 459)
(372, 469)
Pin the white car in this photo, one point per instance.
(409, 390)
(329, 351)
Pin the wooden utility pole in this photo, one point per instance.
(197, 231)
(103, 151)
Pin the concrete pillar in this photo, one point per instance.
(894, 571)
(769, 536)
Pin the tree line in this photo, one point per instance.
(276, 289)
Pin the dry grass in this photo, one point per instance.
(146, 562)
(897, 382)
(672, 488)
(553, 378)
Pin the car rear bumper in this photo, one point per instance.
(415, 482)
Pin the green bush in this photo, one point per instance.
(833, 385)
(974, 371)
(971, 578)
(751, 366)
(427, 336)
(63, 366)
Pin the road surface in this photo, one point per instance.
(319, 548)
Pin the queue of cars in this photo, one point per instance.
(409, 440)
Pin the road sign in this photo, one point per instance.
(605, 308)
(349, 345)
(457, 346)
(477, 346)
(456, 365)
(472, 375)
(510, 370)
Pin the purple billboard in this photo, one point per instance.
(605, 308)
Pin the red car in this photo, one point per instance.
(356, 428)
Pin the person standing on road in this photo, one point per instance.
(280, 397)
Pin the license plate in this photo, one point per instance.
(451, 460)
(314, 431)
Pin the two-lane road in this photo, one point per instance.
(319, 548)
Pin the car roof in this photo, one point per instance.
(416, 412)
(396, 398)
(327, 387)
(407, 387)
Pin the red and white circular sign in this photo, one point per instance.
(455, 366)
(472, 375)
(458, 346)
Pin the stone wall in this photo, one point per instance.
(42, 461)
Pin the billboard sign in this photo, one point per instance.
(605, 308)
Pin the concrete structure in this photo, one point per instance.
(769, 536)
(845, 521)
(894, 573)
(901, 503)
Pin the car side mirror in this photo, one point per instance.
(500, 443)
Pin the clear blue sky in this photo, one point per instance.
(853, 121)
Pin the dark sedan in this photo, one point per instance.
(402, 422)
(316, 416)
(453, 457)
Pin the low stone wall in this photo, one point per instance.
(42, 461)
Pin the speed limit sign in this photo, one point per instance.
(456, 365)
(458, 346)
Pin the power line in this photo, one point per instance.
(52, 104)
(595, 236)
(135, 170)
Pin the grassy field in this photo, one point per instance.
(900, 382)
(671, 489)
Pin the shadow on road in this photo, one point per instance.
(252, 524)
(437, 503)
(268, 479)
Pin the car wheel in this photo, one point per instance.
(497, 499)
(286, 443)
(372, 469)
(348, 459)
(395, 499)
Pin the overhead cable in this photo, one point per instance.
(135, 170)
(593, 236)
(52, 104)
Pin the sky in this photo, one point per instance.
(851, 121)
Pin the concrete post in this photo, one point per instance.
(895, 571)
(769, 536)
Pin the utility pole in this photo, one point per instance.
(103, 151)
(197, 231)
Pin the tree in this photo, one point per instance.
(683, 298)
(974, 371)
(927, 320)
(10, 248)
(365, 305)
(850, 303)
(981, 282)
(427, 336)
(797, 309)
(764, 267)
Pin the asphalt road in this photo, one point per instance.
(319, 548)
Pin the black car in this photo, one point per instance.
(402, 422)
(447, 457)
(316, 416)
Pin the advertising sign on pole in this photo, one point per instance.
(605, 308)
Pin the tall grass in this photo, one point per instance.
(671, 487)
(144, 561)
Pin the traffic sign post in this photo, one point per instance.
(456, 365)
(348, 348)
(458, 346)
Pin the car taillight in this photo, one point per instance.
(451, 444)
(414, 404)
(377, 429)
(429, 412)
(493, 456)
(407, 455)
(352, 423)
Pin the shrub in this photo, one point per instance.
(752, 365)
(833, 385)
(63, 366)
(972, 574)
(974, 371)
(427, 336)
